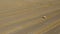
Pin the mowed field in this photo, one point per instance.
(25, 16)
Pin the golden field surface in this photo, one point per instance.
(27, 17)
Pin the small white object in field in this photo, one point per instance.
(44, 17)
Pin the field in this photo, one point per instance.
(25, 16)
